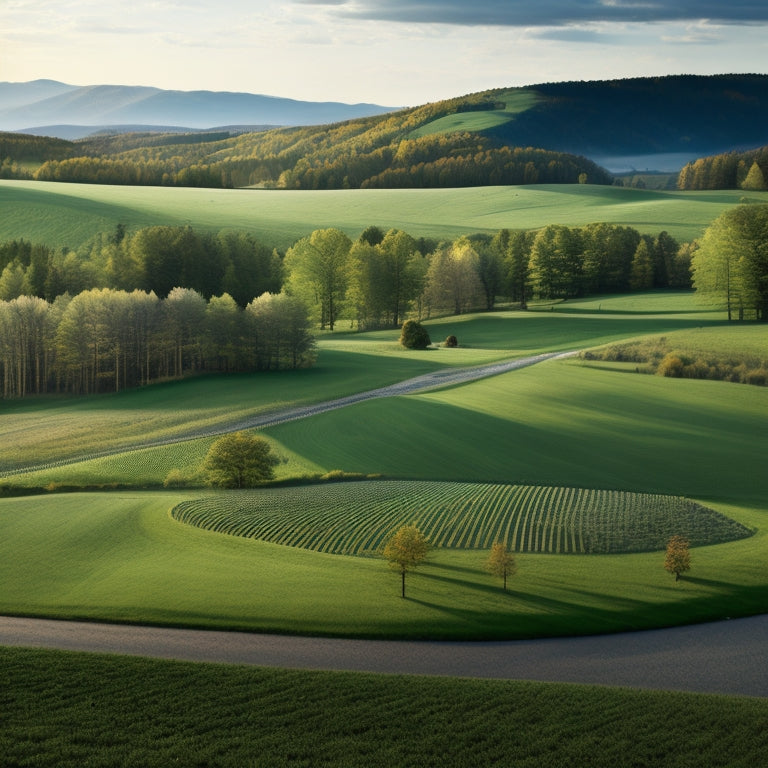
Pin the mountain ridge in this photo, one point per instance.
(49, 103)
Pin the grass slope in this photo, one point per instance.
(44, 430)
(69, 214)
(121, 557)
(561, 423)
(108, 712)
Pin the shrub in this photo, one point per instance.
(758, 376)
(451, 341)
(671, 366)
(414, 335)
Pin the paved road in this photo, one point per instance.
(729, 657)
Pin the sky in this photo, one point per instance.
(387, 52)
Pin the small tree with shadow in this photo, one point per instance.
(501, 562)
(406, 549)
(678, 557)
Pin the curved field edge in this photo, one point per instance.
(121, 557)
(355, 518)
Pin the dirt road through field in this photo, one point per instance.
(728, 657)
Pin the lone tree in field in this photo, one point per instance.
(501, 562)
(239, 460)
(678, 559)
(406, 549)
(414, 335)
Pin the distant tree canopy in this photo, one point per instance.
(380, 152)
(112, 315)
(730, 170)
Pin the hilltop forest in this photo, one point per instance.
(541, 134)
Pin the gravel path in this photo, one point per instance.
(728, 657)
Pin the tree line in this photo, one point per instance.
(730, 267)
(105, 340)
(156, 259)
(132, 308)
(729, 170)
(380, 151)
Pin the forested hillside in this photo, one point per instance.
(645, 115)
(729, 170)
(537, 135)
(366, 153)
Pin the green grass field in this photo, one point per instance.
(561, 423)
(69, 214)
(35, 430)
(120, 556)
(516, 101)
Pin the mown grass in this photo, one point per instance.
(515, 101)
(560, 423)
(120, 557)
(41, 430)
(69, 214)
(557, 423)
(116, 712)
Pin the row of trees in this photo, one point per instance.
(731, 265)
(730, 170)
(408, 548)
(107, 340)
(376, 281)
(380, 279)
(154, 259)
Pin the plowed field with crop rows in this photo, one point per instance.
(356, 518)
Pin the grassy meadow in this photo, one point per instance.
(69, 214)
(563, 423)
(121, 556)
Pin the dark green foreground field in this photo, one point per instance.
(72, 710)
(121, 556)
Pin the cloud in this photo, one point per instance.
(548, 13)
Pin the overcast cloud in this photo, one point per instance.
(389, 52)
(549, 13)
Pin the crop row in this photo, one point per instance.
(357, 517)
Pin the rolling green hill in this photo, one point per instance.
(70, 214)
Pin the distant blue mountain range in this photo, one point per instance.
(52, 108)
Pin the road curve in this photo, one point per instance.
(728, 657)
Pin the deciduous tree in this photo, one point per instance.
(501, 562)
(405, 550)
(678, 556)
(239, 460)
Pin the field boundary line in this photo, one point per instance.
(423, 383)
